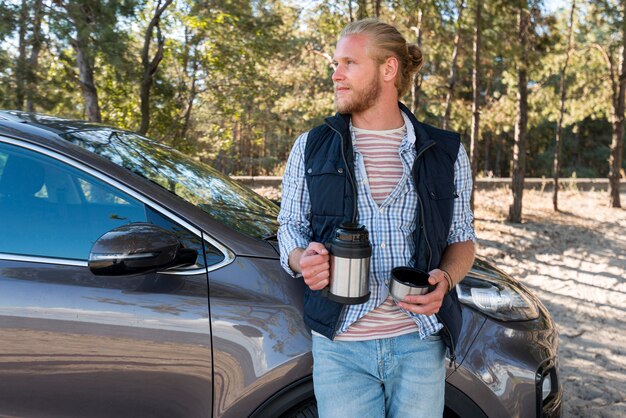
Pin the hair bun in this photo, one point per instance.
(416, 58)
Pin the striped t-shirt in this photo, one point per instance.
(381, 158)
(383, 166)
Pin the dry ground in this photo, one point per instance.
(575, 260)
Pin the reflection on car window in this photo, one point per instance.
(191, 180)
(99, 195)
(50, 209)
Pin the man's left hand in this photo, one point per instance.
(430, 303)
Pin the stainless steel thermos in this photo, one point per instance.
(350, 253)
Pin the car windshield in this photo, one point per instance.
(193, 181)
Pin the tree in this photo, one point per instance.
(604, 18)
(453, 66)
(150, 66)
(33, 61)
(519, 148)
(559, 127)
(361, 11)
(30, 40)
(233, 83)
(8, 23)
(83, 18)
(190, 64)
(617, 122)
(91, 29)
(476, 86)
(20, 67)
(417, 78)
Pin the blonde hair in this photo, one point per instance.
(387, 42)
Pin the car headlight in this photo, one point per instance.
(546, 387)
(497, 299)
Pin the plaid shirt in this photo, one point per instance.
(390, 225)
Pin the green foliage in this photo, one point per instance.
(8, 18)
(241, 79)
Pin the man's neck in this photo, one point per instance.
(385, 115)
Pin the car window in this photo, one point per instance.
(51, 209)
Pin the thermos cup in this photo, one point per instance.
(350, 253)
(406, 281)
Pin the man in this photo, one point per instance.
(409, 184)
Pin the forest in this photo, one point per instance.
(536, 88)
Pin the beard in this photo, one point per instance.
(361, 99)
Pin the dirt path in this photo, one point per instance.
(576, 262)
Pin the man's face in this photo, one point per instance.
(357, 76)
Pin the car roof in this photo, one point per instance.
(51, 124)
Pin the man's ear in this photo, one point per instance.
(390, 68)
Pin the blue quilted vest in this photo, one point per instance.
(329, 168)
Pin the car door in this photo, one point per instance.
(74, 344)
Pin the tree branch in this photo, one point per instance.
(322, 54)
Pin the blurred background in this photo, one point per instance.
(233, 82)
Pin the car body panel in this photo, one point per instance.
(471, 325)
(72, 340)
(500, 377)
(259, 335)
(500, 368)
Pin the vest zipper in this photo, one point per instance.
(451, 348)
(419, 200)
(423, 226)
(354, 207)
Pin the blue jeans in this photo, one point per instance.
(391, 377)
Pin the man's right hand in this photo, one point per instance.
(314, 264)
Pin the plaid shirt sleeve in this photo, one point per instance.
(462, 217)
(295, 228)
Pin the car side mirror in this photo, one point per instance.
(137, 248)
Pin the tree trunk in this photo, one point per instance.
(235, 165)
(377, 8)
(350, 10)
(453, 67)
(190, 73)
(417, 78)
(87, 84)
(246, 143)
(33, 60)
(556, 166)
(487, 163)
(475, 134)
(578, 144)
(192, 97)
(617, 123)
(361, 11)
(21, 67)
(80, 17)
(150, 66)
(499, 144)
(519, 147)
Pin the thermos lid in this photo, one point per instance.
(351, 232)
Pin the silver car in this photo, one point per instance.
(138, 282)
